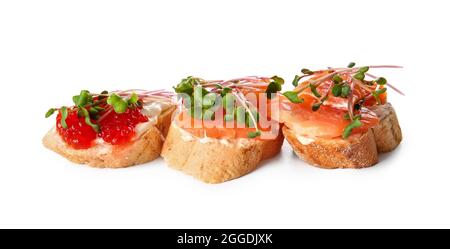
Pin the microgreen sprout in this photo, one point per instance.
(314, 90)
(307, 71)
(297, 78)
(293, 97)
(50, 112)
(380, 81)
(353, 125)
(376, 94)
(64, 114)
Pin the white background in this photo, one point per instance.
(49, 50)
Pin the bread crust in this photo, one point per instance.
(143, 149)
(214, 160)
(358, 151)
(388, 134)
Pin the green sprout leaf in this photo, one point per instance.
(345, 91)
(228, 102)
(103, 95)
(254, 134)
(134, 98)
(199, 93)
(381, 91)
(316, 106)
(93, 112)
(348, 130)
(64, 114)
(98, 108)
(351, 65)
(363, 70)
(75, 99)
(186, 86)
(225, 91)
(337, 79)
(209, 100)
(359, 76)
(119, 104)
(376, 94)
(337, 90)
(88, 121)
(314, 90)
(297, 79)
(272, 88)
(104, 92)
(50, 112)
(381, 81)
(84, 98)
(307, 71)
(278, 79)
(293, 97)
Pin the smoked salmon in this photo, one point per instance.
(232, 108)
(331, 100)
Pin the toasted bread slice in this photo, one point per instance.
(388, 133)
(216, 160)
(358, 151)
(144, 148)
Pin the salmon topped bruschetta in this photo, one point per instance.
(223, 129)
(340, 117)
(112, 129)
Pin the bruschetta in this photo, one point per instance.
(340, 117)
(111, 129)
(223, 129)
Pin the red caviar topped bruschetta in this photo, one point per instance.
(109, 122)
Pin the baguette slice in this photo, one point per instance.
(358, 151)
(216, 160)
(144, 148)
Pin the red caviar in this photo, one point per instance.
(115, 129)
(78, 134)
(120, 128)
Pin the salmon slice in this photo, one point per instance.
(217, 129)
(327, 122)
